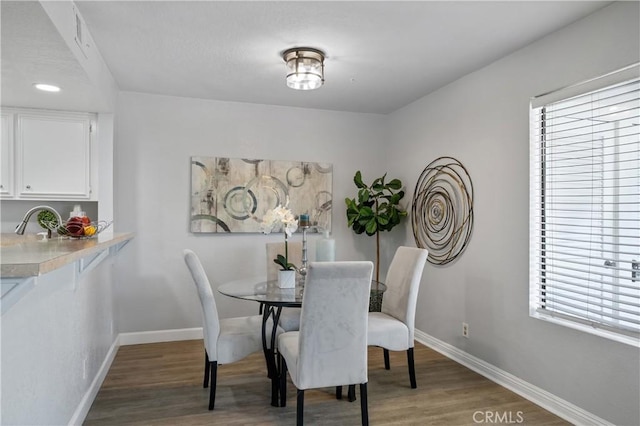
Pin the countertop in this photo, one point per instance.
(24, 256)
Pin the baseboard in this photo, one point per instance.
(85, 403)
(158, 336)
(546, 400)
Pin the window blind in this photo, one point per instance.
(585, 206)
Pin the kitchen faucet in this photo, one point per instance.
(21, 227)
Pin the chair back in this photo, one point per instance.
(211, 323)
(333, 324)
(274, 249)
(403, 283)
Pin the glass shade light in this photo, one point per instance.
(305, 68)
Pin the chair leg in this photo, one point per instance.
(300, 408)
(283, 381)
(352, 393)
(206, 370)
(364, 408)
(412, 368)
(387, 366)
(214, 378)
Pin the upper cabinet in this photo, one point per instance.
(53, 156)
(6, 155)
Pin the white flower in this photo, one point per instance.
(279, 218)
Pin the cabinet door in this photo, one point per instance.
(6, 156)
(53, 156)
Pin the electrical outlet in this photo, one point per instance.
(465, 330)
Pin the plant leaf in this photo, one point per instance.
(281, 260)
(366, 212)
(358, 228)
(351, 217)
(372, 227)
(351, 203)
(395, 184)
(363, 195)
(395, 198)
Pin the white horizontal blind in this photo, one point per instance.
(585, 208)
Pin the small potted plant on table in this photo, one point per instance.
(282, 218)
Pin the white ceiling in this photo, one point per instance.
(33, 51)
(381, 56)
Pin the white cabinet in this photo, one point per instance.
(6, 155)
(53, 155)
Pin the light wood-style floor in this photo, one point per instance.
(161, 384)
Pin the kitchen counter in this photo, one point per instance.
(24, 256)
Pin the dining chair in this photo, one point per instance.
(289, 317)
(330, 349)
(393, 327)
(226, 340)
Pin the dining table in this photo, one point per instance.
(272, 299)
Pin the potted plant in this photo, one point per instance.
(376, 208)
(282, 217)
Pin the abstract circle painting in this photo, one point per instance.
(442, 210)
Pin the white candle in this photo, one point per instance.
(325, 249)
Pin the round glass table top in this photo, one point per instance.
(260, 290)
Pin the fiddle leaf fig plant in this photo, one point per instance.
(376, 208)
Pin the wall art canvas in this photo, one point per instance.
(231, 195)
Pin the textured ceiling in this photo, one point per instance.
(33, 51)
(381, 56)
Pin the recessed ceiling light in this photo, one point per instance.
(46, 87)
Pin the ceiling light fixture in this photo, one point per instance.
(46, 87)
(305, 68)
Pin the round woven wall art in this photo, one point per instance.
(442, 210)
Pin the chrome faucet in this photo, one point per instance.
(21, 227)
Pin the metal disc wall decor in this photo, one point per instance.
(442, 210)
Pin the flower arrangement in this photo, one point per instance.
(281, 217)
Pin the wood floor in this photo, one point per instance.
(161, 384)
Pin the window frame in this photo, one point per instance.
(537, 207)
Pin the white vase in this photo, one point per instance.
(325, 249)
(287, 279)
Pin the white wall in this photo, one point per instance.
(155, 138)
(54, 342)
(482, 120)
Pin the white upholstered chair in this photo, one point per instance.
(393, 327)
(289, 317)
(331, 347)
(225, 340)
